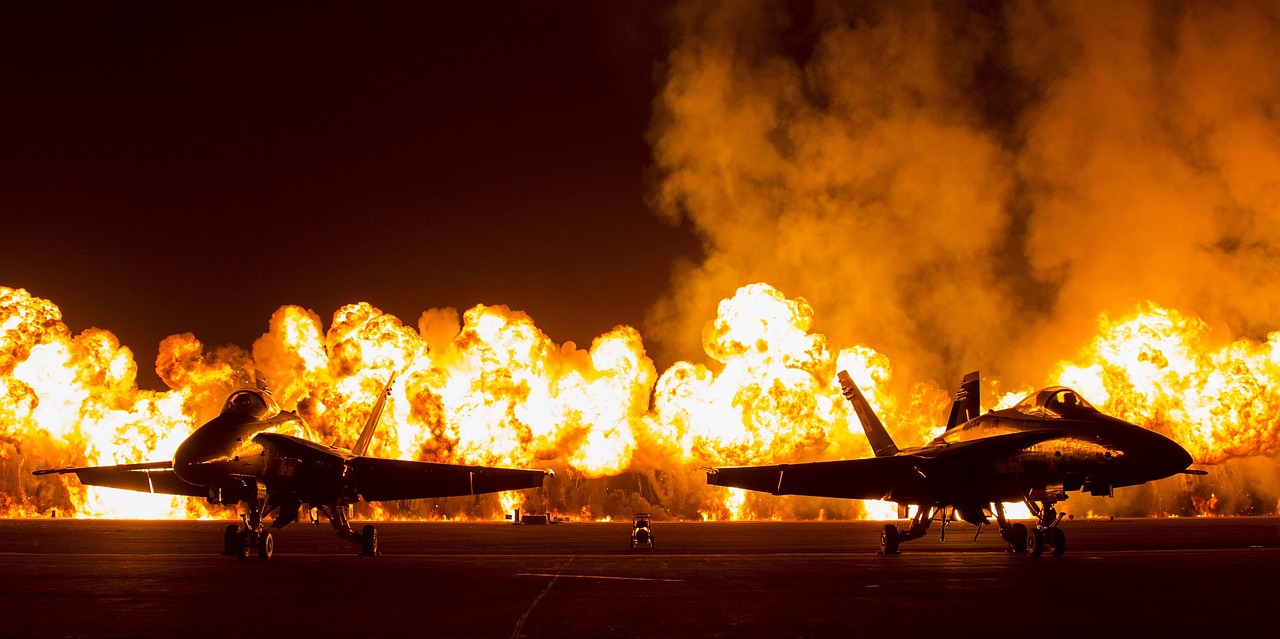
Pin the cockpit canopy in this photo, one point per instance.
(252, 402)
(1055, 401)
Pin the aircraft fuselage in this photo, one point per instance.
(1091, 452)
(1050, 443)
(228, 453)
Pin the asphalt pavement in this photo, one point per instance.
(1124, 578)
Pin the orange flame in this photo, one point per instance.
(488, 387)
(1158, 369)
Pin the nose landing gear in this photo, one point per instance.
(241, 542)
(369, 541)
(1044, 536)
(1047, 536)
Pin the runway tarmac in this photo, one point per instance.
(1124, 578)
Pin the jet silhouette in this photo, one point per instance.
(1050, 443)
(252, 454)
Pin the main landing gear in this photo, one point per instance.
(890, 536)
(242, 542)
(1045, 536)
(367, 538)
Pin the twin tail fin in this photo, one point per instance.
(879, 438)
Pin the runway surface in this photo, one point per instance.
(1124, 578)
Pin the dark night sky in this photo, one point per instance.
(171, 168)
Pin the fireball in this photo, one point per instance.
(488, 387)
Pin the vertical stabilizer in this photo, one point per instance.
(371, 424)
(968, 402)
(879, 438)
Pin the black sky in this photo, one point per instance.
(180, 167)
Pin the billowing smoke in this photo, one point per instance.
(968, 185)
(1051, 193)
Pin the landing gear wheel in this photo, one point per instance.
(369, 541)
(1035, 542)
(266, 546)
(1055, 541)
(230, 540)
(889, 539)
(245, 544)
(1017, 538)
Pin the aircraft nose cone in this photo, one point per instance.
(1167, 457)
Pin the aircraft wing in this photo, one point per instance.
(152, 477)
(377, 479)
(380, 479)
(874, 477)
(871, 478)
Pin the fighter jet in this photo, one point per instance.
(252, 454)
(1050, 443)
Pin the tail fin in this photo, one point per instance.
(366, 435)
(968, 402)
(879, 438)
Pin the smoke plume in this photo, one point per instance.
(967, 185)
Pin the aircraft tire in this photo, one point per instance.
(1059, 544)
(889, 540)
(230, 540)
(245, 544)
(369, 541)
(1035, 542)
(1018, 538)
(266, 546)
